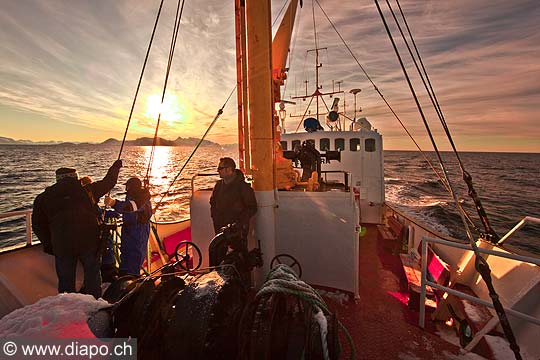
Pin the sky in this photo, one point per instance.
(69, 69)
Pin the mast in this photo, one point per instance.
(317, 94)
(280, 49)
(241, 85)
(259, 40)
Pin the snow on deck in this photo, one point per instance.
(60, 316)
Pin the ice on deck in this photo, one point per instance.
(60, 316)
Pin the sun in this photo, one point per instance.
(172, 110)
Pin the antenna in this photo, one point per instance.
(355, 92)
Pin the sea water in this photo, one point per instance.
(506, 183)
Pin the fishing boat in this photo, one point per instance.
(398, 287)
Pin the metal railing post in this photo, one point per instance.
(29, 228)
(28, 222)
(423, 284)
(519, 225)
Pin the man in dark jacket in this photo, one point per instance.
(136, 211)
(65, 220)
(232, 200)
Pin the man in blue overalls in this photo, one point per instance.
(136, 211)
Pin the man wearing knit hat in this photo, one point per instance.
(136, 211)
(65, 220)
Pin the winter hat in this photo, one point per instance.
(65, 172)
(134, 183)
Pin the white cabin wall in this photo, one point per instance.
(366, 168)
(372, 179)
(526, 333)
(202, 228)
(320, 229)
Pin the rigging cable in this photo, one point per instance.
(480, 262)
(218, 114)
(279, 13)
(176, 28)
(435, 103)
(489, 233)
(382, 97)
(140, 79)
(291, 51)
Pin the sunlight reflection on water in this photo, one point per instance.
(25, 171)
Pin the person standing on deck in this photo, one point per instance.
(233, 199)
(136, 211)
(109, 271)
(65, 220)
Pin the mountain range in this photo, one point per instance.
(143, 141)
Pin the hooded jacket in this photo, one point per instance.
(136, 211)
(232, 203)
(65, 217)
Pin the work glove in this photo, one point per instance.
(109, 201)
(117, 164)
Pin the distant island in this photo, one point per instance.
(143, 141)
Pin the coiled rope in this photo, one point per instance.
(283, 280)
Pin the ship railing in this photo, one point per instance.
(525, 221)
(28, 215)
(346, 176)
(494, 321)
(194, 177)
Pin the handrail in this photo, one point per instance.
(28, 215)
(196, 175)
(346, 175)
(425, 282)
(519, 225)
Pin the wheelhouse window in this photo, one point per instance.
(354, 144)
(311, 142)
(295, 144)
(283, 145)
(339, 144)
(370, 145)
(325, 144)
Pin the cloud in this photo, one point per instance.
(79, 62)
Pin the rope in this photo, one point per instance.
(140, 79)
(279, 13)
(432, 96)
(481, 264)
(218, 114)
(176, 28)
(437, 173)
(377, 90)
(291, 52)
(283, 280)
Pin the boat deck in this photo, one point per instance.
(380, 323)
(26, 276)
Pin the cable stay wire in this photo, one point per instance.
(176, 28)
(480, 262)
(291, 50)
(428, 161)
(429, 89)
(216, 117)
(279, 13)
(424, 120)
(488, 233)
(140, 78)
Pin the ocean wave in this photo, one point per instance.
(389, 180)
